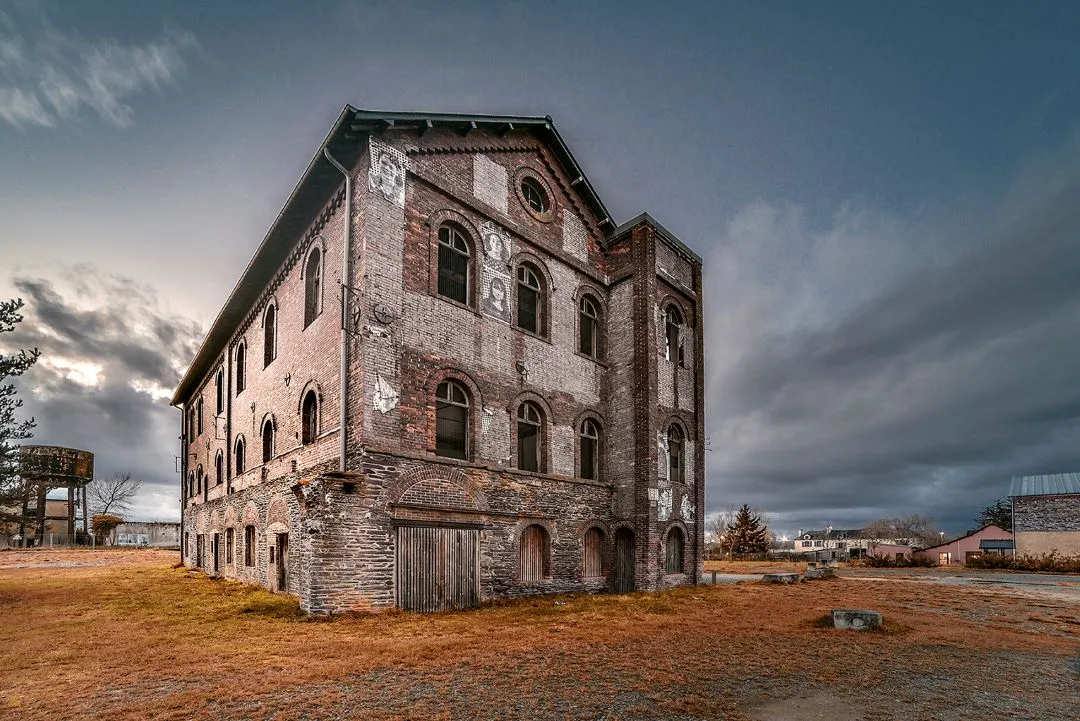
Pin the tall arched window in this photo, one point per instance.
(191, 484)
(198, 414)
(312, 286)
(198, 479)
(451, 420)
(239, 460)
(219, 468)
(590, 450)
(270, 335)
(267, 440)
(533, 553)
(241, 367)
(589, 327)
(675, 454)
(673, 349)
(219, 391)
(675, 550)
(309, 412)
(454, 262)
(592, 553)
(531, 300)
(529, 431)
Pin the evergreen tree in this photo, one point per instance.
(747, 534)
(13, 491)
(998, 513)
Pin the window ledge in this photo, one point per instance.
(456, 303)
(588, 357)
(529, 333)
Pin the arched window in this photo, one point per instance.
(589, 327)
(675, 454)
(309, 417)
(673, 348)
(268, 440)
(531, 310)
(219, 468)
(590, 450)
(191, 484)
(533, 554)
(529, 430)
(454, 262)
(675, 550)
(219, 391)
(592, 550)
(241, 368)
(198, 414)
(451, 420)
(270, 336)
(312, 286)
(239, 453)
(198, 479)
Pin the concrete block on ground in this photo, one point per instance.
(820, 573)
(856, 620)
(780, 578)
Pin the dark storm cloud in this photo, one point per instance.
(110, 354)
(922, 390)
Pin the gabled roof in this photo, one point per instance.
(969, 534)
(836, 534)
(345, 141)
(1056, 484)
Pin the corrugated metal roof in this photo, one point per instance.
(1054, 484)
(995, 543)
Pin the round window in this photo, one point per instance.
(535, 196)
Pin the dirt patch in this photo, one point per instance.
(135, 639)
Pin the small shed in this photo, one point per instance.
(959, 550)
(1046, 514)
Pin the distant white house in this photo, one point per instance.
(839, 543)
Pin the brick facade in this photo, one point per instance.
(404, 338)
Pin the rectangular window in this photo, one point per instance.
(219, 390)
(228, 546)
(453, 274)
(588, 458)
(450, 425)
(528, 447)
(249, 545)
(528, 309)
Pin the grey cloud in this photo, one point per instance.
(924, 390)
(115, 328)
(47, 75)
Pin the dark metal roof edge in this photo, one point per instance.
(665, 234)
(969, 534)
(213, 342)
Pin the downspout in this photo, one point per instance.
(346, 276)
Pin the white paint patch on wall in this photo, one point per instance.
(490, 182)
(385, 398)
(575, 238)
(687, 509)
(663, 510)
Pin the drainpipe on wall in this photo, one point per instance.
(345, 277)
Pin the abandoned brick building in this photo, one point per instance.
(447, 376)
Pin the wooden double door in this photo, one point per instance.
(438, 568)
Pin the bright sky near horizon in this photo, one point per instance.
(886, 196)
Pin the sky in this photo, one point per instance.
(886, 197)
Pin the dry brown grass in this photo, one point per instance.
(134, 638)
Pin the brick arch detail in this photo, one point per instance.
(310, 385)
(431, 474)
(547, 430)
(251, 514)
(277, 516)
(527, 256)
(476, 405)
(435, 221)
(201, 522)
(683, 419)
(317, 242)
(547, 524)
(230, 516)
(687, 314)
(215, 520)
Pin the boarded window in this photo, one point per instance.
(590, 450)
(534, 554)
(312, 286)
(451, 420)
(675, 454)
(229, 546)
(241, 368)
(270, 336)
(267, 441)
(593, 553)
(675, 551)
(588, 327)
(249, 545)
(310, 418)
(454, 261)
(240, 456)
(530, 425)
(531, 302)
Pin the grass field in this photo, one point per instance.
(124, 635)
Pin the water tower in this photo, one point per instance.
(49, 467)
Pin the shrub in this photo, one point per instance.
(908, 561)
(1052, 562)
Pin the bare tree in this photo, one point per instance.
(909, 530)
(112, 495)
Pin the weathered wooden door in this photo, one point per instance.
(437, 568)
(216, 550)
(283, 561)
(623, 581)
